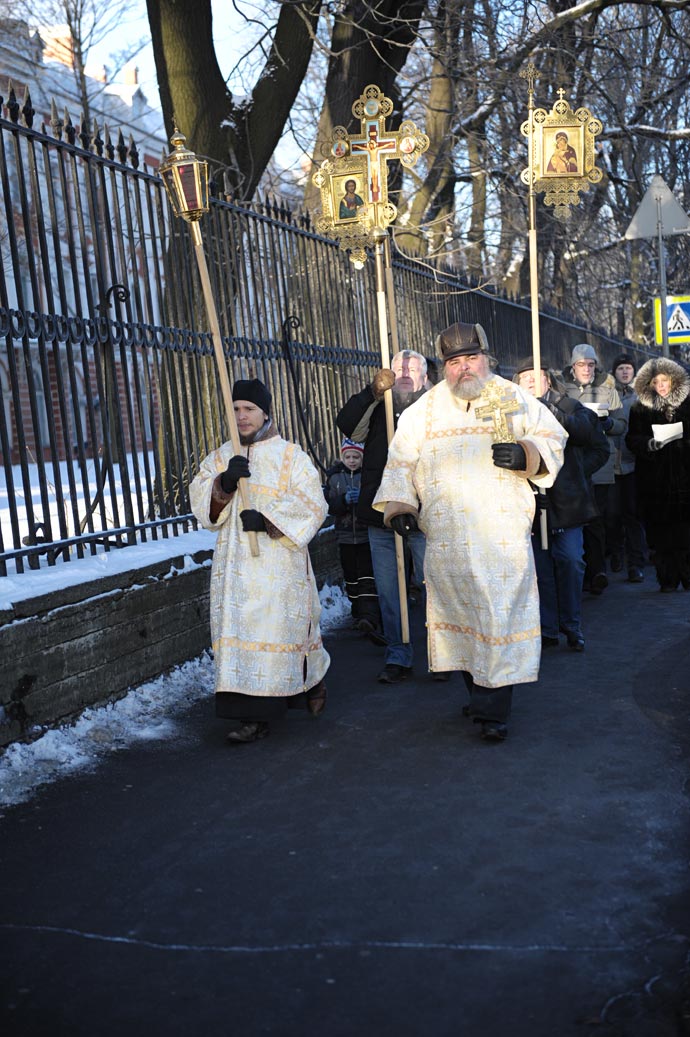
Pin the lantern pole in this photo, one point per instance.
(180, 162)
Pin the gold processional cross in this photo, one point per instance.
(498, 404)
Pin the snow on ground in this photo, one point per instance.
(149, 712)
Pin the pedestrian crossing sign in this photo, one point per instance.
(677, 319)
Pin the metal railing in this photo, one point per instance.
(109, 387)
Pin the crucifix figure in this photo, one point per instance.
(372, 145)
(498, 404)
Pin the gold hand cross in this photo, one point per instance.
(498, 404)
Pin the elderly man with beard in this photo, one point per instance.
(363, 419)
(471, 497)
(264, 610)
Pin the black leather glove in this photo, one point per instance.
(509, 455)
(404, 524)
(238, 468)
(606, 423)
(655, 444)
(252, 521)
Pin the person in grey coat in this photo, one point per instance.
(586, 381)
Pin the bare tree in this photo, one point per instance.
(88, 23)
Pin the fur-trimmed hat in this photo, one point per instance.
(253, 391)
(461, 340)
(583, 351)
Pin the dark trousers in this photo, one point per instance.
(595, 535)
(624, 531)
(488, 703)
(560, 570)
(360, 587)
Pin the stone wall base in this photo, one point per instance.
(89, 643)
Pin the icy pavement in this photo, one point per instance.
(149, 712)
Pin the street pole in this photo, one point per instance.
(662, 279)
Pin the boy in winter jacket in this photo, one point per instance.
(342, 494)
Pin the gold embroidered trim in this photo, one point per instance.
(523, 635)
(265, 646)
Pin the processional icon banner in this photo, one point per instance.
(354, 180)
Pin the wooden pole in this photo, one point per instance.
(390, 422)
(222, 370)
(533, 270)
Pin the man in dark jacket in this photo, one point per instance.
(363, 419)
(624, 531)
(568, 505)
(585, 381)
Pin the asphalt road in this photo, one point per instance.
(381, 870)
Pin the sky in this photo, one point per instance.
(232, 36)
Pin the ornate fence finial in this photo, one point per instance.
(121, 148)
(133, 153)
(55, 120)
(84, 135)
(70, 130)
(97, 142)
(28, 109)
(12, 102)
(109, 148)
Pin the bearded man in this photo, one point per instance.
(471, 497)
(265, 610)
(363, 418)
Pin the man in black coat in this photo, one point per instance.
(363, 418)
(568, 504)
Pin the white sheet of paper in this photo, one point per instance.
(666, 433)
(598, 408)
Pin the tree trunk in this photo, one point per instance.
(240, 139)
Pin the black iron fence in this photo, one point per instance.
(109, 387)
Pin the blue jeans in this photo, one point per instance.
(560, 572)
(382, 544)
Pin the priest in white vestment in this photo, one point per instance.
(459, 469)
(265, 610)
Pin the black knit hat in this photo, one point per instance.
(253, 391)
(623, 358)
(527, 364)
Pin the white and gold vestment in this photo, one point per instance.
(265, 611)
(482, 598)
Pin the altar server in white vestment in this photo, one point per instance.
(454, 472)
(265, 610)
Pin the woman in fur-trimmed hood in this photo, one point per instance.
(663, 466)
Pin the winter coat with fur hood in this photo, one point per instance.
(663, 476)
